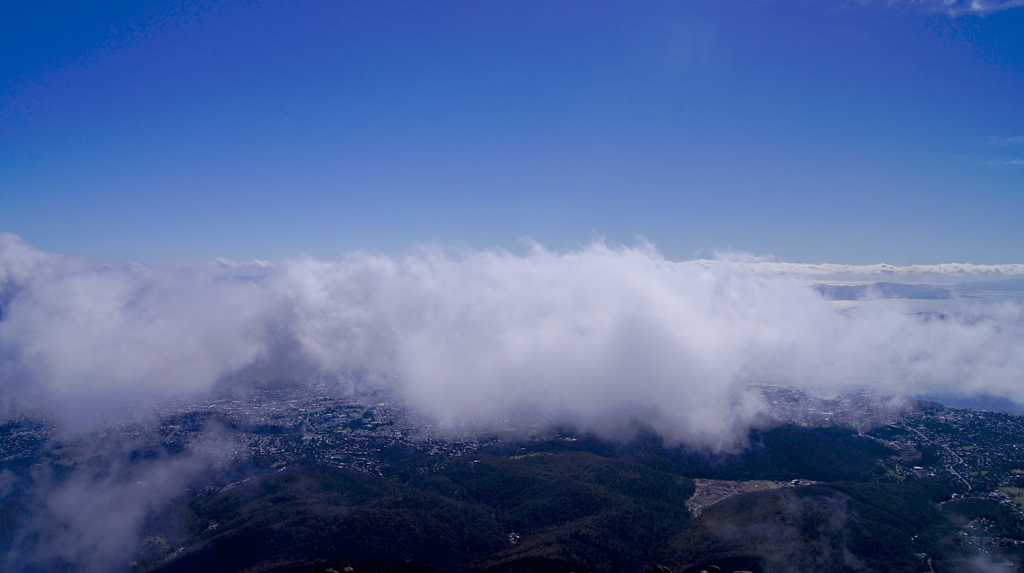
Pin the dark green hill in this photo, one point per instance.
(504, 512)
(834, 527)
(563, 504)
(783, 453)
(306, 514)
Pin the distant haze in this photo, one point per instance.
(585, 337)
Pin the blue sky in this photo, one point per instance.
(812, 131)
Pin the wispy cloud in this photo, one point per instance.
(1007, 153)
(960, 7)
(1014, 140)
(93, 516)
(1003, 162)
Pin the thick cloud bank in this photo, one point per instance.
(583, 337)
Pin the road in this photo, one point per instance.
(949, 466)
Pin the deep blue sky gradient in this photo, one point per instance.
(814, 131)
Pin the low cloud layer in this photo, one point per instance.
(939, 274)
(582, 337)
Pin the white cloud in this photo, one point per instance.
(580, 337)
